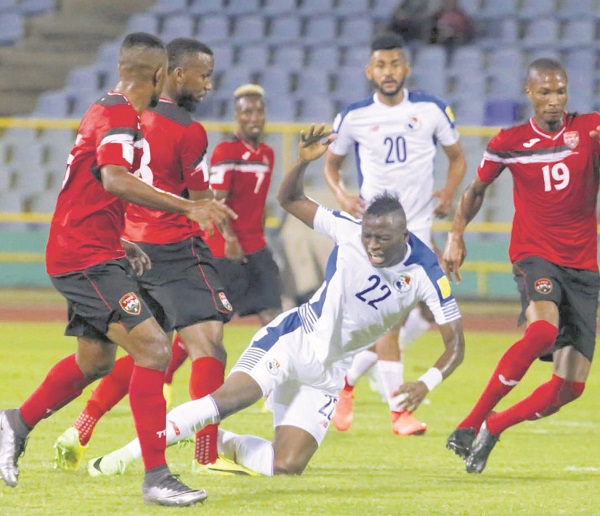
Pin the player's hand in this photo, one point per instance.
(233, 250)
(444, 205)
(138, 259)
(596, 134)
(410, 395)
(353, 205)
(207, 211)
(314, 144)
(454, 255)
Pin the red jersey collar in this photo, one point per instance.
(551, 136)
(247, 144)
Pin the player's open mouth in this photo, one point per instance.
(376, 257)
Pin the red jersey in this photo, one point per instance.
(173, 161)
(245, 172)
(88, 221)
(555, 189)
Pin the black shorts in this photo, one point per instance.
(575, 293)
(183, 287)
(100, 295)
(252, 286)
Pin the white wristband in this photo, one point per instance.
(431, 378)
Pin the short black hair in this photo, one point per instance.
(545, 63)
(142, 39)
(383, 204)
(180, 48)
(387, 41)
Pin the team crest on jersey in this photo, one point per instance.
(225, 302)
(273, 366)
(131, 303)
(404, 283)
(414, 124)
(543, 286)
(571, 139)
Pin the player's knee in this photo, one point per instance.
(154, 352)
(287, 466)
(99, 369)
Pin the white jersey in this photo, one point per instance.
(394, 148)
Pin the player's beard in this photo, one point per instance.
(154, 100)
(393, 93)
(187, 102)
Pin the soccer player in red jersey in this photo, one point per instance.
(241, 172)
(87, 263)
(182, 287)
(553, 159)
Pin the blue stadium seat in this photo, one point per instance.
(35, 7)
(178, 26)
(536, 9)
(579, 34)
(350, 84)
(312, 81)
(355, 7)
(254, 56)
(357, 55)
(471, 7)
(327, 56)
(168, 7)
(469, 111)
(53, 104)
(201, 8)
(285, 29)
(143, 22)
(576, 9)
(281, 109)
(88, 78)
(278, 7)
(502, 112)
(505, 60)
(506, 83)
(232, 79)
(312, 8)
(240, 7)
(9, 5)
(467, 60)
(223, 55)
(579, 59)
(356, 30)
(214, 28)
(432, 56)
(320, 29)
(12, 27)
(276, 82)
(248, 29)
(289, 57)
(317, 110)
(495, 9)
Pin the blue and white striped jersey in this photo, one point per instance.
(358, 302)
(394, 149)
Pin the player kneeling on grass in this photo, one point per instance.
(376, 274)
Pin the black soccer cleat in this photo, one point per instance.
(12, 446)
(461, 441)
(170, 491)
(482, 447)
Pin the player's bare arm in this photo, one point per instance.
(596, 134)
(457, 166)
(233, 248)
(469, 205)
(139, 260)
(291, 192)
(118, 181)
(454, 353)
(332, 171)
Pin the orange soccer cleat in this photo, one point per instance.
(405, 423)
(342, 417)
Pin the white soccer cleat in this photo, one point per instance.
(115, 463)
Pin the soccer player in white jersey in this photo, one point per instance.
(376, 273)
(393, 136)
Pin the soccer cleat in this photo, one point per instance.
(168, 394)
(482, 447)
(461, 441)
(405, 423)
(342, 416)
(69, 450)
(115, 463)
(171, 492)
(223, 466)
(12, 446)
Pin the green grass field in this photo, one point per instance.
(543, 468)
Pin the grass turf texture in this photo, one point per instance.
(547, 467)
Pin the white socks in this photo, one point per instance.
(361, 363)
(391, 378)
(250, 451)
(413, 328)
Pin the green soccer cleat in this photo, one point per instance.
(115, 463)
(223, 466)
(69, 450)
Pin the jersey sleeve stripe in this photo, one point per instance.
(450, 310)
(538, 156)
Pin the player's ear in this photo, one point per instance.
(368, 72)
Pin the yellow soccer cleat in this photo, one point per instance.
(223, 466)
(69, 450)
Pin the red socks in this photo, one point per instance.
(347, 386)
(111, 389)
(544, 401)
(149, 414)
(178, 356)
(537, 341)
(206, 377)
(63, 383)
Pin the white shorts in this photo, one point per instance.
(282, 361)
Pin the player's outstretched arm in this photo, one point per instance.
(291, 192)
(468, 206)
(332, 171)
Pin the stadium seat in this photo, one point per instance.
(326, 56)
(350, 84)
(502, 112)
(254, 56)
(285, 29)
(469, 111)
(35, 7)
(53, 104)
(43, 202)
(11, 27)
(317, 110)
(177, 26)
(505, 60)
(578, 34)
(467, 60)
(168, 7)
(541, 33)
(278, 7)
(213, 28)
(87, 78)
(144, 22)
(312, 82)
(356, 55)
(356, 30)
(240, 7)
(355, 7)
(281, 109)
(579, 59)
(536, 9)
(232, 79)
(433, 56)
(313, 8)
(495, 10)
(201, 8)
(320, 29)
(576, 9)
(223, 55)
(471, 7)
(8, 5)
(506, 82)
(289, 57)
(276, 82)
(248, 29)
